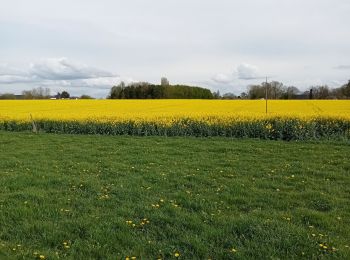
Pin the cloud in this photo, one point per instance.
(247, 72)
(242, 72)
(64, 69)
(101, 83)
(10, 75)
(58, 72)
(222, 78)
(6, 70)
(342, 67)
(12, 79)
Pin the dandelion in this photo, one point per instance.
(233, 250)
(177, 254)
(65, 245)
(42, 257)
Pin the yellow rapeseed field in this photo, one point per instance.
(165, 110)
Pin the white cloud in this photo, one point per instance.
(246, 71)
(7, 70)
(242, 73)
(10, 75)
(64, 69)
(13, 79)
(102, 83)
(58, 72)
(222, 78)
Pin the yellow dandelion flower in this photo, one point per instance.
(177, 254)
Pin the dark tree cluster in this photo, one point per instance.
(63, 95)
(7, 96)
(144, 90)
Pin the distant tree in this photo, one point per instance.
(65, 94)
(290, 93)
(311, 95)
(86, 97)
(256, 91)
(144, 90)
(7, 96)
(243, 95)
(341, 93)
(36, 93)
(321, 92)
(229, 96)
(117, 92)
(346, 90)
(276, 90)
(216, 95)
(164, 82)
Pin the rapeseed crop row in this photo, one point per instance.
(288, 120)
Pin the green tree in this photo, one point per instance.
(86, 97)
(7, 96)
(65, 94)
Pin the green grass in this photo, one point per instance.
(201, 196)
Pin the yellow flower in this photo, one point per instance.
(177, 254)
(41, 256)
(233, 250)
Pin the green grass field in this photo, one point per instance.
(113, 197)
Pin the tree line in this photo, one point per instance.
(41, 93)
(276, 90)
(144, 90)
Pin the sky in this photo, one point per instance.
(87, 46)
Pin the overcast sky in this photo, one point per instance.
(86, 46)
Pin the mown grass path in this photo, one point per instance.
(105, 197)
